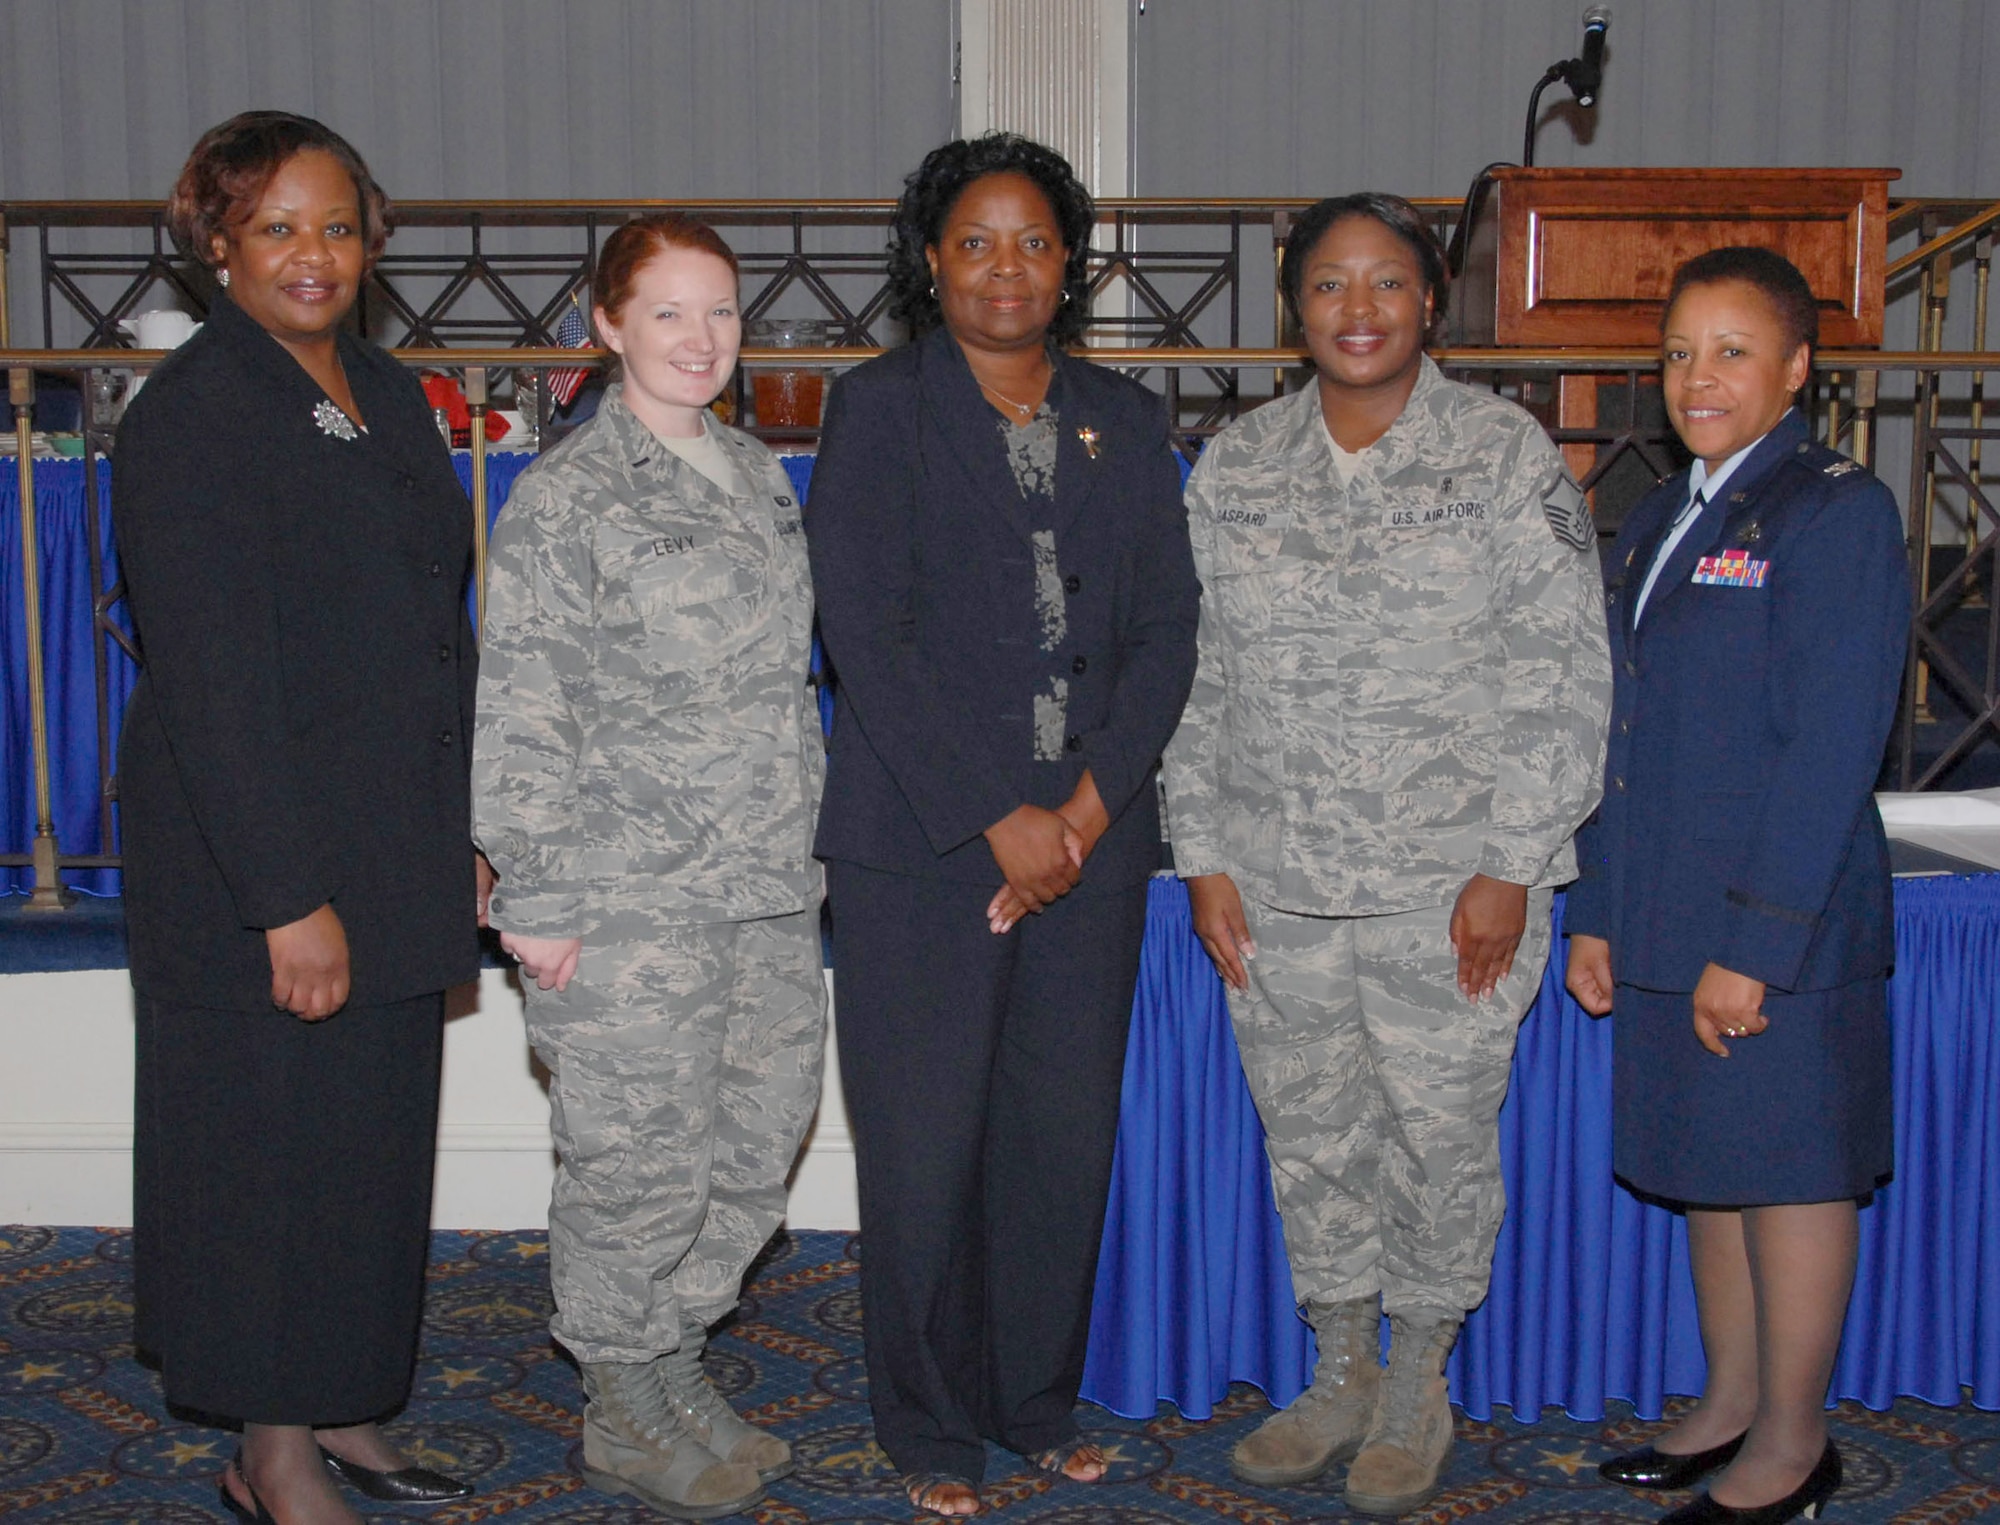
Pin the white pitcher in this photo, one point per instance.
(162, 328)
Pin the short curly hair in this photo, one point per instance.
(226, 174)
(929, 195)
(1783, 286)
(1395, 214)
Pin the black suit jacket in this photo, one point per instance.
(923, 572)
(299, 733)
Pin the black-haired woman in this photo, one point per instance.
(1001, 565)
(298, 852)
(1733, 912)
(1396, 728)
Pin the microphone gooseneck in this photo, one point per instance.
(1583, 74)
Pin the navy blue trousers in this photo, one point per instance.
(982, 1076)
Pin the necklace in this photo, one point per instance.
(1025, 410)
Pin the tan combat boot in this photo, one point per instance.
(1397, 1470)
(707, 1413)
(1325, 1422)
(635, 1444)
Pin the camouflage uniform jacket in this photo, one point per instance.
(646, 733)
(1403, 681)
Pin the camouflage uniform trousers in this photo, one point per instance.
(684, 1067)
(1380, 1087)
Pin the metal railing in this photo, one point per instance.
(1173, 277)
(1846, 391)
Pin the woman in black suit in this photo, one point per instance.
(1000, 559)
(300, 883)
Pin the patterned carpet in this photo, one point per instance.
(84, 1438)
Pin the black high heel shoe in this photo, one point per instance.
(1807, 1499)
(256, 1514)
(406, 1485)
(1648, 1468)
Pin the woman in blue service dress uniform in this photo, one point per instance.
(1733, 910)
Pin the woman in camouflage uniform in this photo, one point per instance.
(1397, 725)
(645, 771)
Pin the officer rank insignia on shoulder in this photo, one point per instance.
(1839, 467)
(1568, 512)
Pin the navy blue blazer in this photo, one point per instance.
(1747, 727)
(923, 573)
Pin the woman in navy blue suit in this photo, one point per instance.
(1001, 563)
(1733, 911)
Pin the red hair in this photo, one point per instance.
(642, 239)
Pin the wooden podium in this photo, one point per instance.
(1582, 258)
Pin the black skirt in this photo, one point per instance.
(1803, 1112)
(281, 1206)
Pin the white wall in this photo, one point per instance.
(66, 1112)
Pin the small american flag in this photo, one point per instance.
(571, 333)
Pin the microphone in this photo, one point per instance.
(1586, 74)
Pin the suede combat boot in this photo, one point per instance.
(1327, 1421)
(1405, 1448)
(635, 1443)
(707, 1414)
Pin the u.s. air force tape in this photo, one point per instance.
(1569, 512)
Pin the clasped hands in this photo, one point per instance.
(1041, 852)
(1726, 1004)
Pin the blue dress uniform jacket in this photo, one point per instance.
(300, 732)
(925, 579)
(1749, 713)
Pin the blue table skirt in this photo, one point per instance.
(1591, 1296)
(62, 537)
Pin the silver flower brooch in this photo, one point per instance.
(334, 422)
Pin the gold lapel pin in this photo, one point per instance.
(1090, 437)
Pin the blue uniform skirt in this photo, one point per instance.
(1800, 1113)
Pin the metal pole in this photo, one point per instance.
(107, 747)
(475, 397)
(1866, 384)
(1281, 228)
(1924, 417)
(1935, 288)
(1982, 262)
(48, 893)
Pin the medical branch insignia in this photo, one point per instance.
(1568, 512)
(332, 421)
